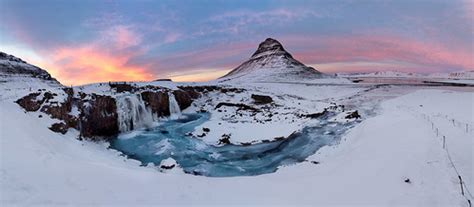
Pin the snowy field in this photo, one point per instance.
(395, 156)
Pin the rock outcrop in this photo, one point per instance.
(261, 99)
(185, 97)
(158, 102)
(98, 117)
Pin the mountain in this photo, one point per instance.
(271, 62)
(13, 66)
(398, 74)
(454, 75)
(17, 77)
(382, 74)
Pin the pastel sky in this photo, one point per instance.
(89, 41)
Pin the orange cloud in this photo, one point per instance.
(87, 64)
(100, 61)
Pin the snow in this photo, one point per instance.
(368, 167)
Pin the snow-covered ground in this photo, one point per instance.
(368, 167)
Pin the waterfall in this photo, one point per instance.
(132, 113)
(175, 111)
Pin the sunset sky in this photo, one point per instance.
(92, 41)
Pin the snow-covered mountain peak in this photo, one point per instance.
(272, 63)
(270, 47)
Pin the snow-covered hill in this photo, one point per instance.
(18, 78)
(272, 63)
(466, 75)
(381, 74)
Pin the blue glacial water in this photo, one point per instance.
(196, 157)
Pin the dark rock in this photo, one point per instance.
(185, 97)
(30, 102)
(246, 143)
(167, 167)
(61, 110)
(122, 87)
(202, 135)
(239, 105)
(407, 180)
(315, 162)
(225, 139)
(315, 115)
(59, 128)
(261, 99)
(158, 102)
(99, 118)
(279, 138)
(206, 129)
(353, 115)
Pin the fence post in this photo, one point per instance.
(444, 142)
(460, 183)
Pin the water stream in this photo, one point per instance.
(197, 157)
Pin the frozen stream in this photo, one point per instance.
(196, 157)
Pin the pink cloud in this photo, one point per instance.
(380, 48)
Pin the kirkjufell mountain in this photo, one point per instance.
(271, 62)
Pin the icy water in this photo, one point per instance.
(199, 158)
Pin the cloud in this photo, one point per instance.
(234, 22)
(102, 60)
(381, 48)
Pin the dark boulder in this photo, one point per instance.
(59, 128)
(353, 115)
(261, 99)
(158, 102)
(225, 139)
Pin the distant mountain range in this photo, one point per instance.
(397, 74)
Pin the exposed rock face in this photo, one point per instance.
(61, 110)
(271, 62)
(158, 102)
(261, 99)
(30, 102)
(185, 97)
(99, 117)
(12, 65)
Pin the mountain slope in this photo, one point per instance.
(17, 77)
(271, 62)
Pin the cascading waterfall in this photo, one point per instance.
(175, 111)
(132, 113)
